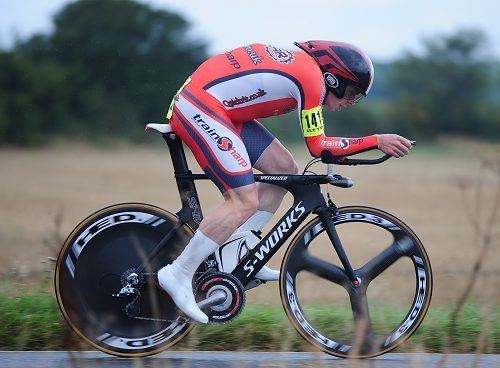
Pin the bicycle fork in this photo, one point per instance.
(326, 219)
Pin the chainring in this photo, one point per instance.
(230, 308)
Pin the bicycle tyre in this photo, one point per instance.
(90, 267)
(297, 259)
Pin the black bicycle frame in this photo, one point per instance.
(307, 196)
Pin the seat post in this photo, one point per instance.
(177, 153)
(191, 210)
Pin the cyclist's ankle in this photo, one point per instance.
(198, 248)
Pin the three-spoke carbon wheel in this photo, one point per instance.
(372, 314)
(93, 266)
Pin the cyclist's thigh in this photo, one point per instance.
(266, 152)
(255, 137)
(208, 132)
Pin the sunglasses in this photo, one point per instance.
(353, 94)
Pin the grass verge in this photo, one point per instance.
(33, 322)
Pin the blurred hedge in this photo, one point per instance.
(33, 322)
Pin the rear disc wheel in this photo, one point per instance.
(93, 265)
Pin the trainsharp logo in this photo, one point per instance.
(224, 143)
(275, 237)
(343, 143)
(232, 60)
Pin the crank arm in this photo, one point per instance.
(217, 298)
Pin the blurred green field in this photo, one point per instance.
(33, 322)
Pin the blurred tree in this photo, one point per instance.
(122, 62)
(444, 88)
(32, 99)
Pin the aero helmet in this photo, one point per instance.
(347, 71)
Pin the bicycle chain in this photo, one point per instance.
(162, 319)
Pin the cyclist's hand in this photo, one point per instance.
(393, 144)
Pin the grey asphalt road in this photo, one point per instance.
(240, 360)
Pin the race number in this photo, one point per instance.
(312, 122)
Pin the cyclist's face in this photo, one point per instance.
(336, 104)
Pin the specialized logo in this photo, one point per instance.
(275, 237)
(271, 177)
(244, 99)
(331, 80)
(232, 60)
(280, 55)
(256, 58)
(223, 143)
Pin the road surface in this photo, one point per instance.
(240, 360)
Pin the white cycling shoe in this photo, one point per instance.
(179, 286)
(268, 274)
(231, 253)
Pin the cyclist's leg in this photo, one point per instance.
(239, 204)
(276, 159)
(206, 129)
(269, 156)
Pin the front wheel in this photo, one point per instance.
(93, 266)
(368, 316)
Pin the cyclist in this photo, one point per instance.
(214, 114)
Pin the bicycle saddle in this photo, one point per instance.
(162, 128)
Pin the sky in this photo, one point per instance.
(383, 28)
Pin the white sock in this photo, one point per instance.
(256, 222)
(199, 247)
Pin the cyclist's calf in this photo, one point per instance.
(239, 204)
(243, 202)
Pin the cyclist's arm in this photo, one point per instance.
(313, 129)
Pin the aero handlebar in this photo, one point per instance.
(327, 158)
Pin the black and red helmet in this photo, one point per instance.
(347, 71)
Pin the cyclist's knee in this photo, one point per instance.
(277, 160)
(247, 206)
(293, 168)
(287, 166)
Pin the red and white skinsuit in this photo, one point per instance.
(215, 112)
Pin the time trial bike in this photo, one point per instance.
(107, 289)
